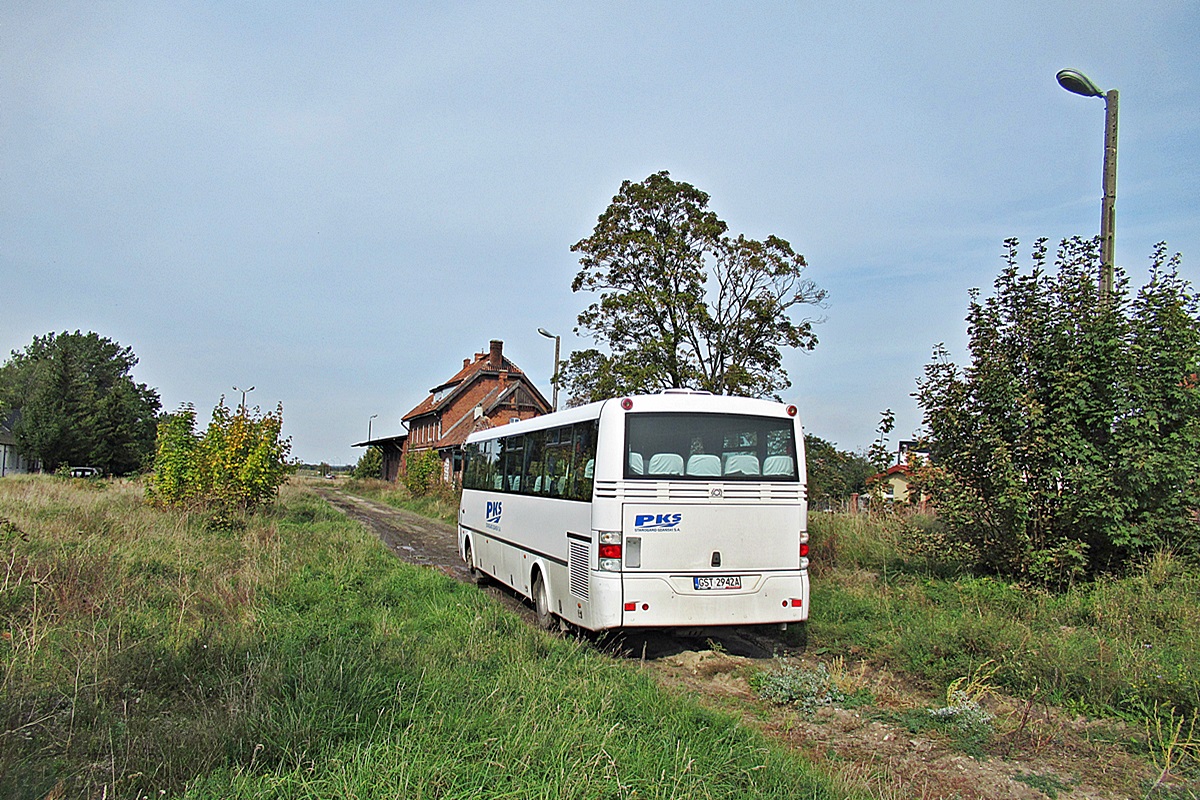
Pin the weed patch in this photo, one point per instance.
(791, 683)
(1048, 785)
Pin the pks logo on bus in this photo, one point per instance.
(492, 518)
(657, 522)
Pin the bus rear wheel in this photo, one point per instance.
(541, 604)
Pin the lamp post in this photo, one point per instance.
(1078, 83)
(553, 375)
(244, 393)
(369, 421)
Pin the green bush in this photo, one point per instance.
(1069, 445)
(422, 470)
(238, 463)
(806, 688)
(370, 465)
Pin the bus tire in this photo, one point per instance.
(541, 604)
(477, 576)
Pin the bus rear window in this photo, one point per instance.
(726, 447)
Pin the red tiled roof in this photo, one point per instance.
(898, 469)
(459, 421)
(464, 377)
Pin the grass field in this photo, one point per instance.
(1123, 647)
(145, 655)
(888, 590)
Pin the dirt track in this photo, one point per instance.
(411, 537)
(1071, 758)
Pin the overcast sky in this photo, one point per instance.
(338, 202)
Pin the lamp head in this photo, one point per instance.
(1078, 83)
(546, 333)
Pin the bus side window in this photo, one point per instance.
(479, 471)
(513, 461)
(533, 477)
(470, 465)
(491, 473)
(558, 462)
(583, 460)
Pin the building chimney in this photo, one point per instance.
(466, 363)
(496, 359)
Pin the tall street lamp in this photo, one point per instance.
(369, 421)
(244, 393)
(553, 375)
(1077, 82)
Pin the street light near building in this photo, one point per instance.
(554, 374)
(369, 421)
(1078, 83)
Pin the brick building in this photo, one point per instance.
(489, 390)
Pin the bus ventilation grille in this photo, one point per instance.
(578, 558)
(700, 491)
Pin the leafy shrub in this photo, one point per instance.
(807, 688)
(237, 464)
(370, 465)
(1070, 444)
(421, 470)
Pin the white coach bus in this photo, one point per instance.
(681, 509)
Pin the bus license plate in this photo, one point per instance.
(718, 582)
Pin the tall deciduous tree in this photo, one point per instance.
(78, 403)
(1071, 442)
(682, 304)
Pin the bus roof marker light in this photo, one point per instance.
(791, 411)
(626, 403)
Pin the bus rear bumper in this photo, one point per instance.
(662, 601)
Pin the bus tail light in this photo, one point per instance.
(610, 551)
